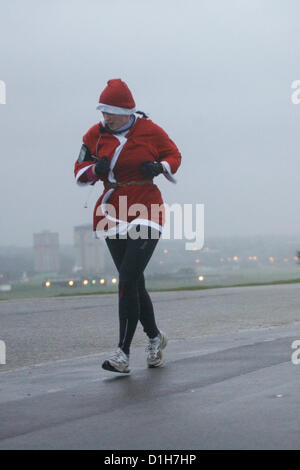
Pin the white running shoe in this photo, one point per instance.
(154, 350)
(118, 362)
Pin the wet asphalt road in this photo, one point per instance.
(228, 382)
(41, 330)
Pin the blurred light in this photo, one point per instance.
(296, 258)
(47, 283)
(271, 259)
(235, 258)
(197, 260)
(71, 283)
(94, 281)
(165, 252)
(102, 281)
(85, 282)
(114, 280)
(286, 260)
(222, 260)
(200, 278)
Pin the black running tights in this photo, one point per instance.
(131, 257)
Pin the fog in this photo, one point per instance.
(215, 75)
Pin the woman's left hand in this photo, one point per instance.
(152, 169)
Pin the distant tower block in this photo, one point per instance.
(89, 251)
(46, 252)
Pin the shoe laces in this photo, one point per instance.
(153, 345)
(119, 356)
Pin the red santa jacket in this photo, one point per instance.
(117, 209)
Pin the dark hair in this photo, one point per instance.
(143, 114)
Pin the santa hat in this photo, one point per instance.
(116, 98)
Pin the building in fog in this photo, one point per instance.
(89, 251)
(46, 252)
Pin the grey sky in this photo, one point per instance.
(215, 75)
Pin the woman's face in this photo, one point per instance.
(114, 121)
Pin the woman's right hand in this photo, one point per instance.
(101, 168)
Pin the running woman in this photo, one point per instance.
(126, 151)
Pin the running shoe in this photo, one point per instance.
(118, 362)
(154, 350)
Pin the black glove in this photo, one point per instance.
(102, 167)
(152, 169)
